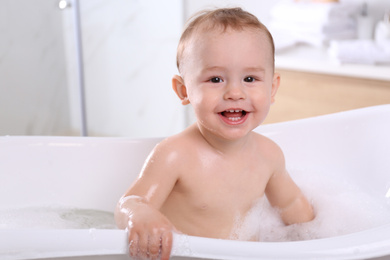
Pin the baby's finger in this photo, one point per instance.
(133, 245)
(154, 246)
(166, 245)
(143, 247)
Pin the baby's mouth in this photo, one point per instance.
(233, 114)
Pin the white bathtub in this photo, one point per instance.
(94, 172)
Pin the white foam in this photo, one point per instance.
(341, 207)
(55, 218)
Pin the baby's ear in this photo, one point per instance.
(180, 89)
(275, 86)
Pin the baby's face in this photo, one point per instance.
(229, 79)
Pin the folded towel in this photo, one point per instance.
(320, 40)
(314, 23)
(314, 37)
(358, 51)
(283, 42)
(314, 12)
(335, 26)
(384, 44)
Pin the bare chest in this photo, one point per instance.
(224, 188)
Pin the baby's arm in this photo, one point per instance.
(150, 232)
(285, 195)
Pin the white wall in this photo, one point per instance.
(33, 94)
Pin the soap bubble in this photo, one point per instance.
(341, 207)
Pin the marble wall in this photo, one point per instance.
(129, 59)
(33, 82)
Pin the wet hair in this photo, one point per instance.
(222, 18)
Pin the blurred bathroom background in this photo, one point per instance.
(331, 59)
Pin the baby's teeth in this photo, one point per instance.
(237, 111)
(234, 118)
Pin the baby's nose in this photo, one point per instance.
(234, 92)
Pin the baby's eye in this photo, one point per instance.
(249, 79)
(215, 80)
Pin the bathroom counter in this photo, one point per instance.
(317, 60)
(314, 84)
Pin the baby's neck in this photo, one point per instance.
(224, 146)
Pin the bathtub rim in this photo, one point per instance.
(364, 244)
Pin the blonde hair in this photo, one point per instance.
(224, 18)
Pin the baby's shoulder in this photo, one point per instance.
(265, 141)
(268, 148)
(174, 149)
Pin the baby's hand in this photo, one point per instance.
(150, 233)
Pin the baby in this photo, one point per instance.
(201, 180)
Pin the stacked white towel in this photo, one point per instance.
(314, 23)
(359, 51)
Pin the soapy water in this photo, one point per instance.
(55, 218)
(341, 207)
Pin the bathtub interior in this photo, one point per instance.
(69, 171)
(354, 144)
(94, 172)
